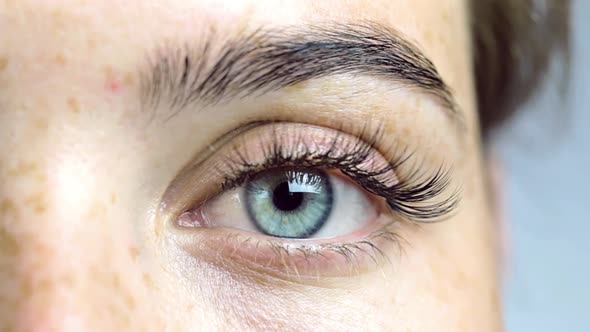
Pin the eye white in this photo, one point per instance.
(351, 211)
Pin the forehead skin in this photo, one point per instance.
(82, 169)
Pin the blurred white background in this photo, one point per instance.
(546, 156)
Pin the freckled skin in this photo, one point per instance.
(73, 105)
(83, 167)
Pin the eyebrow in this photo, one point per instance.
(268, 60)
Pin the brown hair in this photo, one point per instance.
(514, 41)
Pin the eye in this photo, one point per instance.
(296, 203)
(302, 200)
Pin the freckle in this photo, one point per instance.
(57, 14)
(44, 285)
(445, 16)
(27, 288)
(113, 198)
(23, 168)
(41, 178)
(130, 301)
(6, 207)
(428, 36)
(74, 106)
(148, 281)
(39, 209)
(3, 63)
(405, 132)
(133, 252)
(45, 253)
(41, 124)
(128, 79)
(108, 71)
(91, 44)
(8, 244)
(60, 59)
(97, 211)
(67, 280)
(37, 202)
(116, 282)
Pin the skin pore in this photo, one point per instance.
(86, 242)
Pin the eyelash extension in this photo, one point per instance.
(410, 197)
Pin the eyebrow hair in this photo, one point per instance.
(268, 60)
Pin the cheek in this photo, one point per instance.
(245, 301)
(455, 270)
(65, 268)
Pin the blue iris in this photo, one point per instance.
(290, 203)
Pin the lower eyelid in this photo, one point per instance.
(295, 260)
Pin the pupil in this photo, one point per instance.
(286, 200)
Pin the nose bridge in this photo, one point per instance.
(59, 268)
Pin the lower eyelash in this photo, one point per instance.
(415, 197)
(302, 259)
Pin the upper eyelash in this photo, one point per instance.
(410, 197)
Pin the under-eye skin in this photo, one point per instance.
(302, 200)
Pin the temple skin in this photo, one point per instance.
(83, 168)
